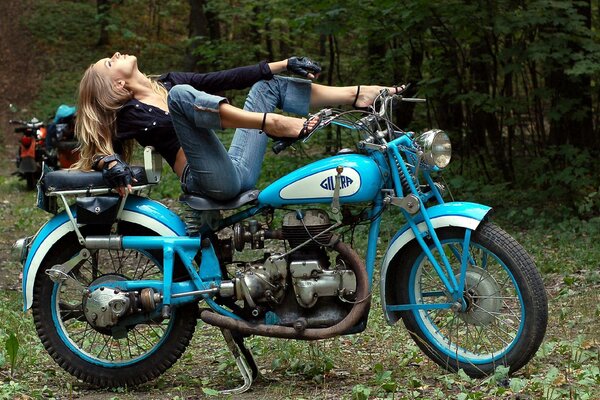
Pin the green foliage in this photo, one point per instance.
(12, 350)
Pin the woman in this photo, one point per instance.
(177, 114)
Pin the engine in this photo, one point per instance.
(301, 287)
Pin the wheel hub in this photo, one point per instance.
(481, 298)
(105, 305)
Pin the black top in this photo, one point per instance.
(151, 126)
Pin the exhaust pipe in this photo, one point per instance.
(354, 316)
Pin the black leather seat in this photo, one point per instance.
(200, 203)
(70, 179)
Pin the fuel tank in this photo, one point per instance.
(360, 180)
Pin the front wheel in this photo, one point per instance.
(127, 354)
(502, 316)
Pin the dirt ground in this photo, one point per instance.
(19, 62)
(19, 78)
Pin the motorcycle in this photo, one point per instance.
(31, 152)
(61, 144)
(52, 144)
(114, 284)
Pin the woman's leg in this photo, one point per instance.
(194, 115)
(249, 145)
(292, 95)
(323, 96)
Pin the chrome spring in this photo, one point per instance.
(404, 180)
(195, 220)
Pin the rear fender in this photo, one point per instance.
(457, 214)
(138, 210)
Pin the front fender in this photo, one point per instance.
(458, 214)
(139, 210)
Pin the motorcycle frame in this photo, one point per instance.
(206, 278)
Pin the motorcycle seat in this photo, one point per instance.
(200, 203)
(70, 179)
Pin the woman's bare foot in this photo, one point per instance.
(367, 94)
(287, 127)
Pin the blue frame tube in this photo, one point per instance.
(464, 260)
(409, 307)
(449, 280)
(372, 240)
(186, 248)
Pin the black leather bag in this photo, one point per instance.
(97, 210)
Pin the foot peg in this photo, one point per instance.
(244, 361)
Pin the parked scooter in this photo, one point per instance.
(52, 144)
(60, 142)
(32, 149)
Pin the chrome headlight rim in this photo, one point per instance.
(436, 148)
(20, 249)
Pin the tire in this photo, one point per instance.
(30, 180)
(93, 355)
(505, 309)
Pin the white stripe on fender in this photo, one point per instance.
(67, 227)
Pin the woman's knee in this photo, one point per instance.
(179, 95)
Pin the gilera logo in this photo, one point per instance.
(329, 182)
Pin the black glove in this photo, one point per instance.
(303, 66)
(119, 175)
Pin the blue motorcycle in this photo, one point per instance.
(115, 284)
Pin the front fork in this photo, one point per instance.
(444, 270)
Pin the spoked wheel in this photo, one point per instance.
(502, 316)
(72, 322)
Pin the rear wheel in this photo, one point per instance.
(129, 353)
(502, 315)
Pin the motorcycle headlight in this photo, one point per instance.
(436, 147)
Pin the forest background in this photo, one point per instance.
(513, 82)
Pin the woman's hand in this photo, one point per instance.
(117, 174)
(303, 66)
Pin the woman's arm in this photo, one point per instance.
(243, 77)
(235, 78)
(278, 66)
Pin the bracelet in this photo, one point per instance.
(262, 126)
(356, 97)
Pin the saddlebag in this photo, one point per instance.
(97, 209)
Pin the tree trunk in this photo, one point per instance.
(405, 111)
(103, 11)
(203, 25)
(571, 97)
(484, 121)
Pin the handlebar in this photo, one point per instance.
(377, 119)
(33, 124)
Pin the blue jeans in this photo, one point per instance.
(213, 171)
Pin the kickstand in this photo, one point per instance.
(243, 359)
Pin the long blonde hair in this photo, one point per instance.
(98, 102)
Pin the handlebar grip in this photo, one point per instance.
(281, 145)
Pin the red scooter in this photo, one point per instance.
(53, 144)
(32, 149)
